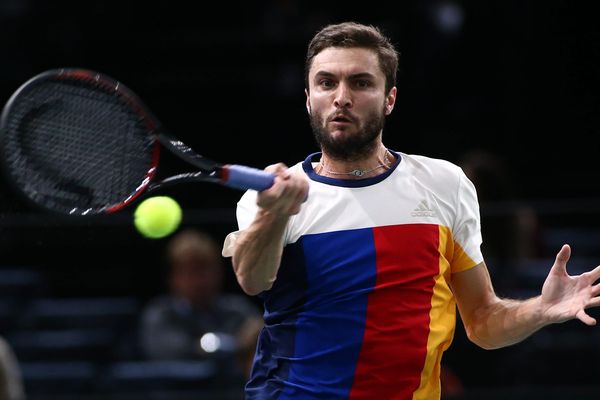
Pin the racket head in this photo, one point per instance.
(78, 142)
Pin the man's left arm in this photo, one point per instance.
(493, 322)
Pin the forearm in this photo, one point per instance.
(257, 253)
(505, 322)
(492, 322)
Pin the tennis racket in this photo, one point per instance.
(78, 142)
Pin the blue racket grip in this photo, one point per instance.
(243, 177)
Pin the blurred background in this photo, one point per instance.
(507, 89)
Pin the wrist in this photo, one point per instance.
(540, 312)
(271, 217)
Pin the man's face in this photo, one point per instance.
(347, 101)
(197, 278)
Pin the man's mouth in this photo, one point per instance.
(341, 118)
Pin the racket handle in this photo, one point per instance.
(243, 177)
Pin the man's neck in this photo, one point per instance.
(376, 163)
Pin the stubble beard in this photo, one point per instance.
(350, 147)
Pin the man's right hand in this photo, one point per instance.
(287, 194)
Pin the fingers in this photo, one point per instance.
(596, 290)
(594, 274)
(276, 169)
(585, 318)
(560, 265)
(288, 192)
(564, 254)
(594, 302)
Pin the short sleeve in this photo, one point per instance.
(467, 227)
(245, 212)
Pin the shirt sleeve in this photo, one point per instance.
(245, 212)
(467, 227)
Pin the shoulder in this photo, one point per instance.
(430, 164)
(436, 170)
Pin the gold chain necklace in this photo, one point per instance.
(359, 172)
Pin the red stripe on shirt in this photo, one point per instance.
(394, 346)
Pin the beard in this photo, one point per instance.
(351, 147)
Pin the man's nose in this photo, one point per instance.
(343, 96)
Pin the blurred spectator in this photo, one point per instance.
(452, 385)
(197, 319)
(11, 385)
(510, 230)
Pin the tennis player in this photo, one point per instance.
(361, 279)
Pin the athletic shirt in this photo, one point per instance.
(361, 307)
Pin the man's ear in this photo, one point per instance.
(307, 101)
(390, 101)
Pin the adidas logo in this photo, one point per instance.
(423, 210)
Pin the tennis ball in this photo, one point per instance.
(157, 217)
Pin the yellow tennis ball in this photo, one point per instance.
(157, 217)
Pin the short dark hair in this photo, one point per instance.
(192, 242)
(353, 34)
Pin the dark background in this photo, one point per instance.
(518, 79)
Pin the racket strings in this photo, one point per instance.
(76, 146)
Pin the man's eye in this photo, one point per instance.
(363, 83)
(326, 83)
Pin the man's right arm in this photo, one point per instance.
(258, 248)
(257, 253)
